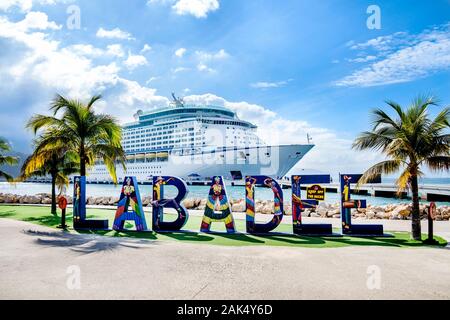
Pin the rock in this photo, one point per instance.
(2, 199)
(30, 200)
(202, 205)
(402, 211)
(315, 215)
(380, 215)
(188, 203)
(333, 212)
(259, 206)
(370, 214)
(321, 212)
(336, 215)
(287, 210)
(146, 201)
(197, 202)
(238, 207)
(90, 201)
(69, 200)
(114, 201)
(307, 212)
(46, 201)
(11, 198)
(267, 209)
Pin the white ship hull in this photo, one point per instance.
(274, 161)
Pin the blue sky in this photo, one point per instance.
(292, 67)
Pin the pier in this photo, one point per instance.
(427, 192)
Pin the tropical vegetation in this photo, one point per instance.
(6, 159)
(410, 140)
(81, 130)
(56, 161)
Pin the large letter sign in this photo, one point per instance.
(299, 205)
(250, 183)
(79, 207)
(217, 207)
(130, 197)
(159, 203)
(347, 204)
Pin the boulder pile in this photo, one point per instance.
(401, 211)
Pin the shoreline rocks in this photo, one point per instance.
(401, 211)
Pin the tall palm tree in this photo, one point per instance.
(6, 160)
(410, 141)
(83, 131)
(50, 160)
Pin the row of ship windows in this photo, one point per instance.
(134, 132)
(159, 136)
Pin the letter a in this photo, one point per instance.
(130, 197)
(217, 207)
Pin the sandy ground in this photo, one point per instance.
(40, 263)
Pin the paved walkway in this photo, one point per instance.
(38, 262)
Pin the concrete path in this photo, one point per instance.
(40, 263)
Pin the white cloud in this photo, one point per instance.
(115, 33)
(205, 58)
(87, 50)
(151, 80)
(115, 50)
(363, 59)
(266, 85)
(180, 52)
(37, 20)
(60, 68)
(208, 56)
(204, 68)
(180, 69)
(135, 61)
(404, 58)
(25, 5)
(41, 64)
(135, 95)
(197, 8)
(146, 48)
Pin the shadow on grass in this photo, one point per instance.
(85, 243)
(298, 240)
(240, 237)
(49, 221)
(7, 214)
(399, 240)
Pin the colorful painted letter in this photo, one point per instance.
(217, 207)
(159, 203)
(130, 197)
(250, 183)
(347, 204)
(79, 207)
(299, 205)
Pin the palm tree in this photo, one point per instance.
(83, 131)
(6, 160)
(410, 141)
(54, 160)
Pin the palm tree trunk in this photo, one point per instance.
(416, 232)
(54, 194)
(82, 161)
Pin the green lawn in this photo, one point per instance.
(42, 216)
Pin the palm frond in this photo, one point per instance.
(384, 167)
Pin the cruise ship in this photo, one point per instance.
(196, 142)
